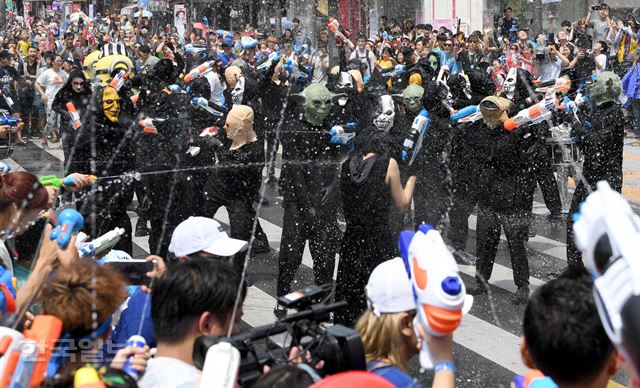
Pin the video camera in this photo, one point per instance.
(338, 346)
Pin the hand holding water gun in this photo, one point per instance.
(393, 72)
(27, 359)
(273, 57)
(292, 67)
(10, 121)
(339, 32)
(440, 294)
(343, 134)
(75, 117)
(224, 34)
(118, 81)
(102, 243)
(202, 103)
(534, 114)
(68, 223)
(607, 232)
(72, 182)
(199, 71)
(7, 292)
(413, 142)
(4, 168)
(467, 114)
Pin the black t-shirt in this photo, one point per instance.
(8, 75)
(584, 68)
(510, 27)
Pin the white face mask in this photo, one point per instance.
(510, 83)
(385, 114)
(238, 92)
(345, 83)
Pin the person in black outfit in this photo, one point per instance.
(464, 167)
(502, 197)
(29, 71)
(76, 91)
(602, 145)
(104, 149)
(235, 181)
(432, 195)
(309, 183)
(369, 184)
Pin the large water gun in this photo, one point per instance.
(560, 85)
(247, 42)
(202, 103)
(54, 181)
(199, 71)
(118, 81)
(69, 222)
(393, 72)
(413, 142)
(607, 232)
(274, 56)
(343, 133)
(533, 378)
(75, 117)
(440, 294)
(27, 355)
(10, 121)
(339, 32)
(467, 114)
(102, 243)
(534, 114)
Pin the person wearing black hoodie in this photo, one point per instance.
(77, 92)
(370, 180)
(104, 148)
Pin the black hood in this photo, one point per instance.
(361, 168)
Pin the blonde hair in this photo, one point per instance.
(382, 338)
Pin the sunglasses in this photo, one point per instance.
(448, 44)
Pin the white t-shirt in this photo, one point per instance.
(602, 61)
(319, 75)
(216, 87)
(52, 81)
(366, 56)
(168, 372)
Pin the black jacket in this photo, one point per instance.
(81, 101)
(602, 145)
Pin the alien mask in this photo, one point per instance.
(412, 98)
(317, 101)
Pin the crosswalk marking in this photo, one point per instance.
(483, 338)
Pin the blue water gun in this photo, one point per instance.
(533, 378)
(69, 222)
(343, 134)
(413, 142)
(224, 34)
(7, 292)
(393, 72)
(10, 121)
(291, 66)
(467, 114)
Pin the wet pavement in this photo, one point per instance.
(486, 344)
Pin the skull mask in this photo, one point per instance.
(509, 87)
(384, 113)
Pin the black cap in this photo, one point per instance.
(5, 54)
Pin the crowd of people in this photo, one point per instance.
(368, 138)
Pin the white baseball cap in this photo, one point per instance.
(389, 289)
(197, 234)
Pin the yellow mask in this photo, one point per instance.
(111, 104)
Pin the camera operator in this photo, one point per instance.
(549, 62)
(387, 331)
(192, 298)
(563, 335)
